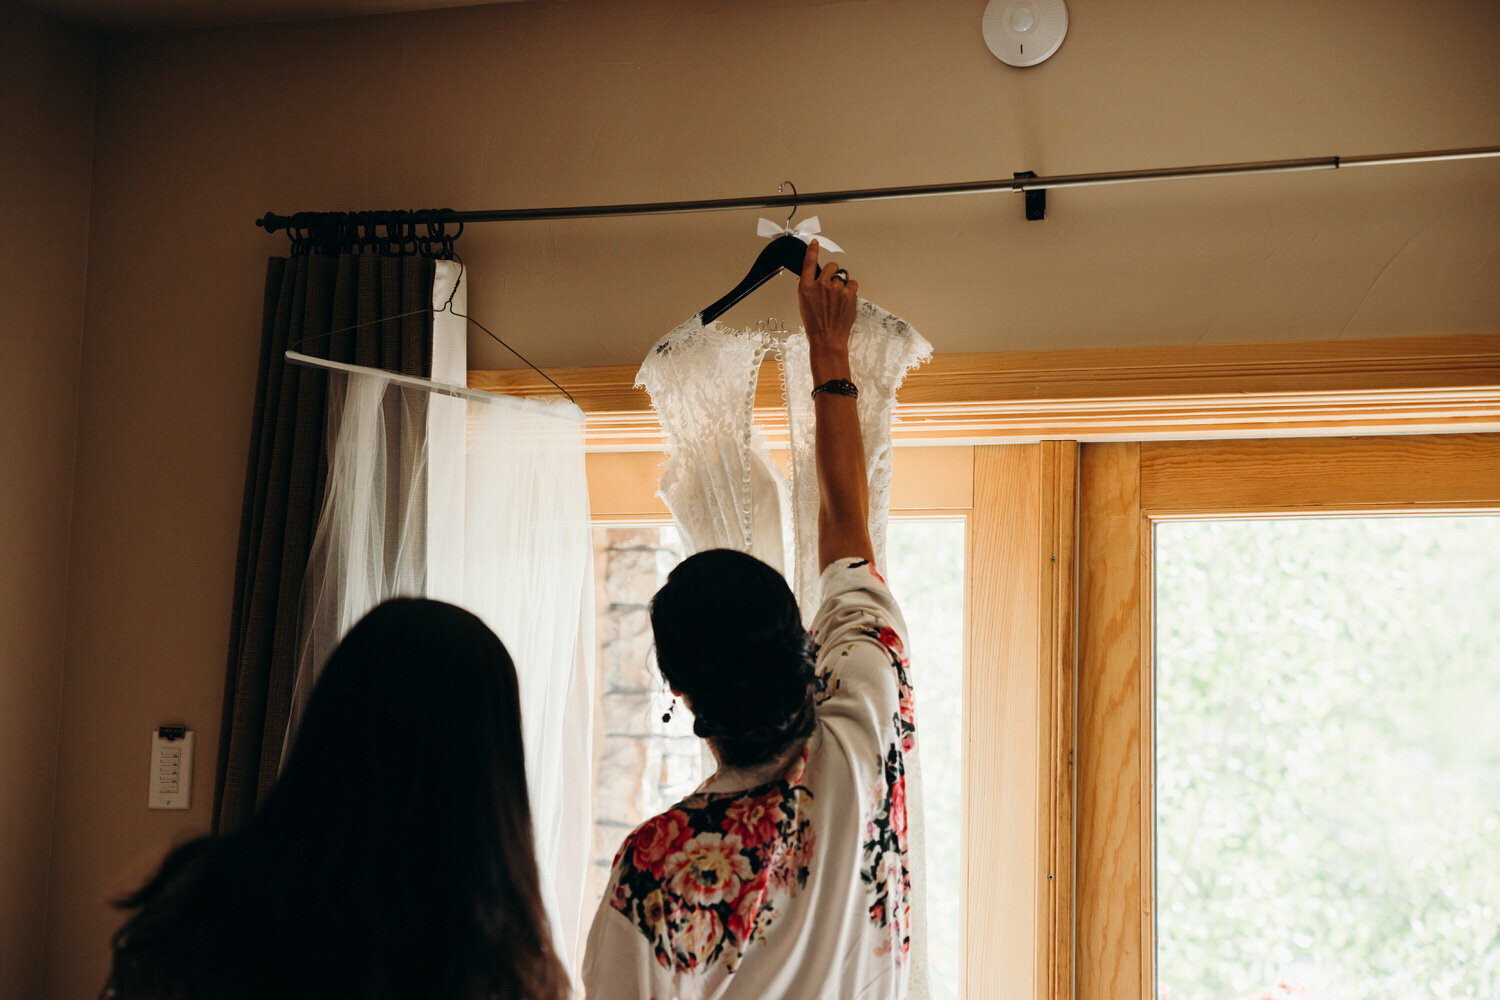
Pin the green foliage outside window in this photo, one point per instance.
(1328, 759)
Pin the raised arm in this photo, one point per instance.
(828, 302)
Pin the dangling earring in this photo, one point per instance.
(667, 715)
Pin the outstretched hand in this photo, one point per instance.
(827, 301)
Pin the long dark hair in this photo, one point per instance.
(393, 859)
(730, 638)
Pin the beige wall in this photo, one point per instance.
(530, 104)
(46, 149)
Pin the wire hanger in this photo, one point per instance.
(298, 358)
(430, 385)
(784, 252)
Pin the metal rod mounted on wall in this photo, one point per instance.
(1019, 183)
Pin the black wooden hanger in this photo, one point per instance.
(785, 251)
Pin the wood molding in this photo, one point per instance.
(1056, 672)
(1320, 475)
(1146, 751)
(1003, 756)
(1018, 707)
(924, 481)
(1113, 926)
(1306, 388)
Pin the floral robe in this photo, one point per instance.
(799, 887)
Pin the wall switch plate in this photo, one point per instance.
(171, 768)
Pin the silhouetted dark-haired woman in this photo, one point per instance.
(392, 860)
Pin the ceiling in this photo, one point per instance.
(164, 15)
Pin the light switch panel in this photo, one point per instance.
(171, 768)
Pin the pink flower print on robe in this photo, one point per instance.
(658, 839)
(746, 912)
(709, 868)
(755, 820)
(898, 810)
(656, 915)
(699, 937)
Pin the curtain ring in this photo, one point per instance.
(440, 215)
(391, 241)
(369, 239)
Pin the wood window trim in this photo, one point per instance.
(926, 481)
(1126, 488)
(1407, 385)
(1018, 721)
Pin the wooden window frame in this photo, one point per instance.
(1412, 385)
(1045, 454)
(1128, 488)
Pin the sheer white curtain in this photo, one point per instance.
(526, 569)
(483, 504)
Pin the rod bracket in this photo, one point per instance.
(1036, 201)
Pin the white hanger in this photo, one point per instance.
(443, 388)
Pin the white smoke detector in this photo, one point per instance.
(1024, 32)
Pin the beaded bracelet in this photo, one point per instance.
(837, 386)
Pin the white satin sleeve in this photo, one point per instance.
(861, 637)
(618, 961)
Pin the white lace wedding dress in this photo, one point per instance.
(724, 491)
(719, 482)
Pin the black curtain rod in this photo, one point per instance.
(1024, 183)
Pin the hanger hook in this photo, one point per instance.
(782, 187)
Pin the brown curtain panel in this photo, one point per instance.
(307, 297)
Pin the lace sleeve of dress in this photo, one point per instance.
(718, 480)
(882, 349)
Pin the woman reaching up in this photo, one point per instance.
(786, 873)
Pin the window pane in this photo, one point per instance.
(1328, 758)
(925, 566)
(642, 765)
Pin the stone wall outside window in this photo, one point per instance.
(641, 765)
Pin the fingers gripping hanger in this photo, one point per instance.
(298, 358)
(785, 252)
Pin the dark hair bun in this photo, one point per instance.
(729, 637)
(752, 698)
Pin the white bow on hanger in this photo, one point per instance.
(804, 231)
